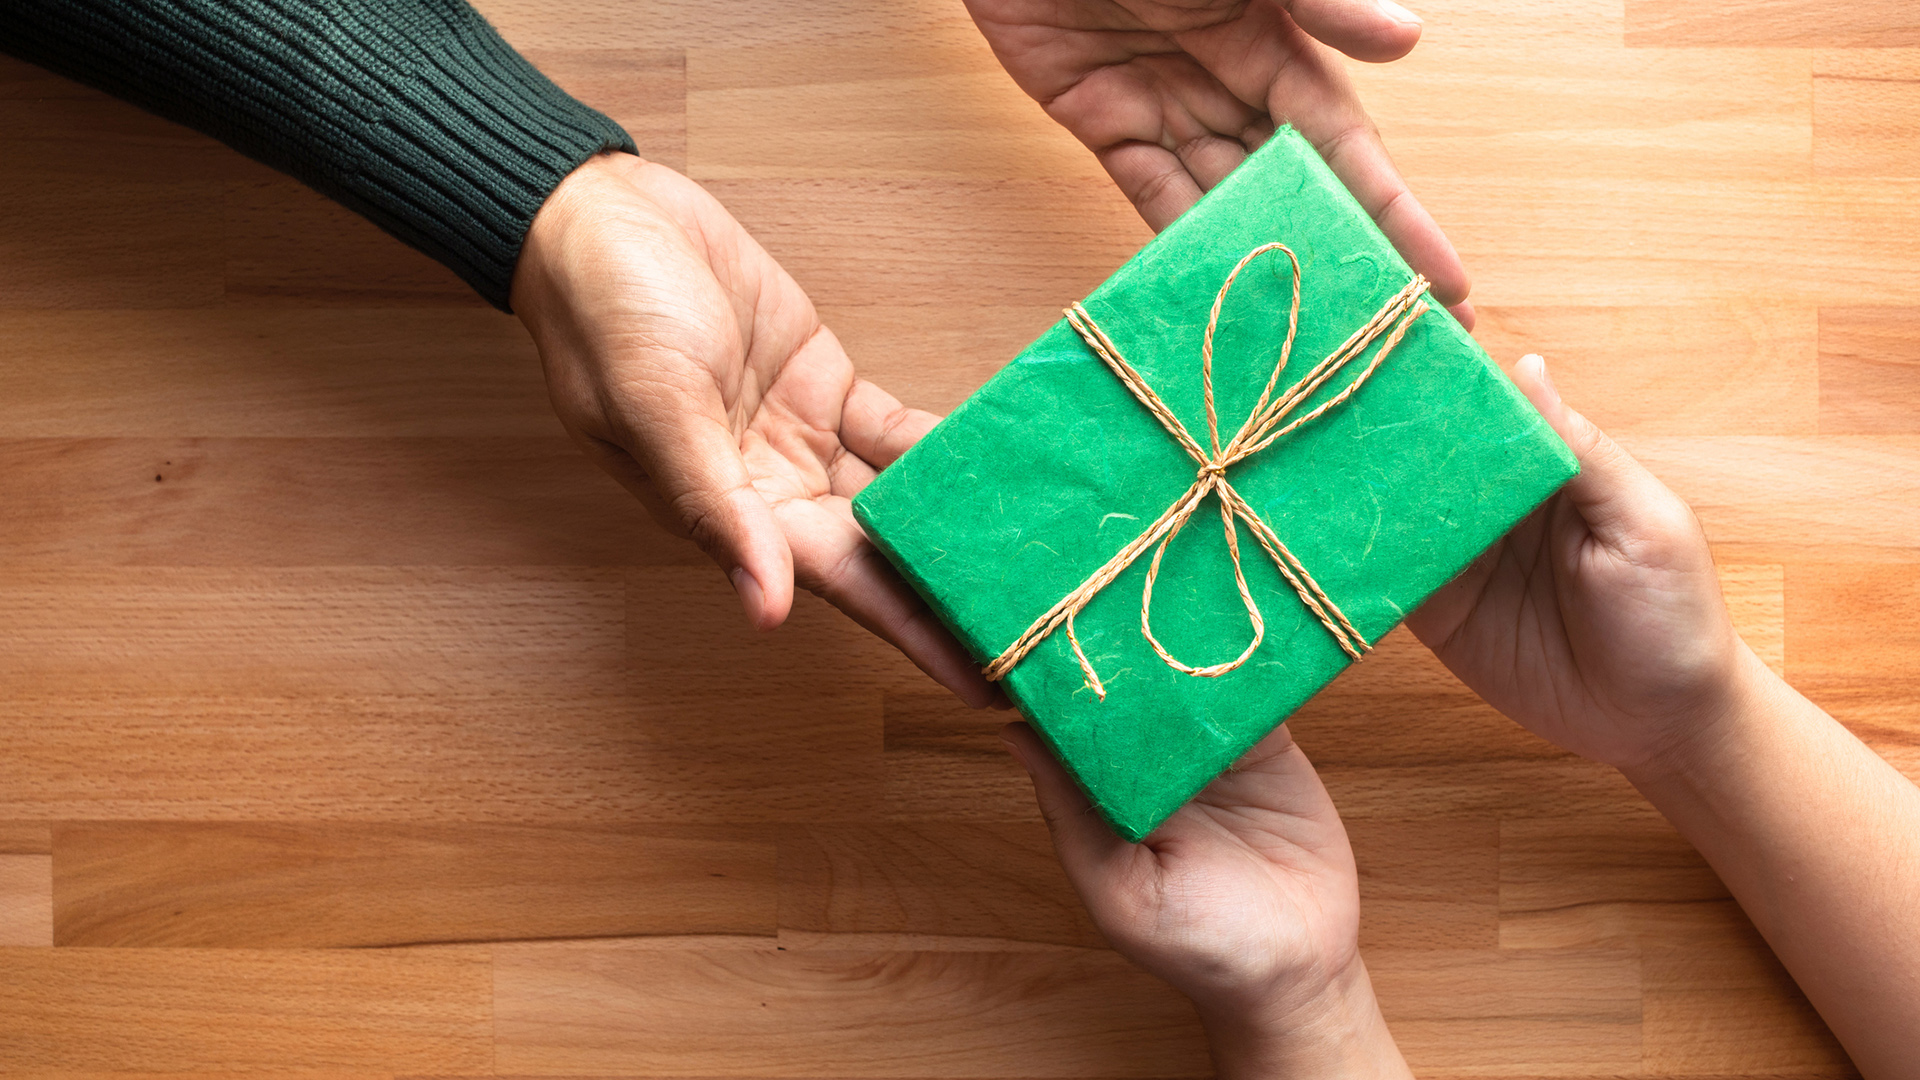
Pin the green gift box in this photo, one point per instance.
(1084, 484)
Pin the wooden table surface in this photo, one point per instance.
(351, 724)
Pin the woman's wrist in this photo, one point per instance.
(1692, 747)
(1335, 1032)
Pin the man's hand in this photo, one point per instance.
(1246, 900)
(686, 362)
(1171, 94)
(1597, 622)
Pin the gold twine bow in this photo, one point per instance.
(1261, 430)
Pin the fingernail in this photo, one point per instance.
(752, 597)
(1539, 365)
(1397, 13)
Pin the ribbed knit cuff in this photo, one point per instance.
(413, 113)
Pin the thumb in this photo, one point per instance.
(709, 490)
(1082, 840)
(1371, 30)
(1616, 496)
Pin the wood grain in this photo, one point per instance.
(326, 501)
(817, 1013)
(238, 1011)
(997, 882)
(244, 372)
(1870, 371)
(233, 885)
(1864, 125)
(1663, 370)
(26, 900)
(1869, 24)
(379, 661)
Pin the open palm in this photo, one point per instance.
(1171, 94)
(688, 364)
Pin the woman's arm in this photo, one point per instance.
(1598, 624)
(1819, 840)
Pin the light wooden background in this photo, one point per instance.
(351, 725)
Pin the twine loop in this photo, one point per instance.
(1263, 427)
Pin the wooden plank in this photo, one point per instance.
(1720, 1002)
(643, 90)
(1867, 681)
(26, 838)
(1678, 240)
(65, 130)
(898, 242)
(1827, 603)
(946, 762)
(648, 24)
(1866, 24)
(932, 356)
(231, 1011)
(1769, 499)
(325, 501)
(685, 630)
(286, 245)
(310, 885)
(1485, 1012)
(500, 755)
(26, 900)
(1866, 126)
(960, 879)
(1550, 109)
(869, 108)
(245, 372)
(823, 1014)
(111, 242)
(1596, 881)
(1662, 370)
(311, 631)
(1870, 371)
(1428, 884)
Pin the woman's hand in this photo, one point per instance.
(1171, 94)
(1246, 900)
(686, 362)
(1597, 623)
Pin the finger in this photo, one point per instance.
(1210, 158)
(1358, 157)
(740, 534)
(1153, 179)
(700, 474)
(1463, 313)
(1616, 496)
(1084, 842)
(875, 426)
(1274, 62)
(834, 560)
(1372, 30)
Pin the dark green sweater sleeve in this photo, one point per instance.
(413, 113)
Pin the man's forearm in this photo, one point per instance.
(413, 113)
(1819, 840)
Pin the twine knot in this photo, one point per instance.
(1261, 429)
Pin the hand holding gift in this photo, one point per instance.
(1246, 901)
(1171, 97)
(686, 362)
